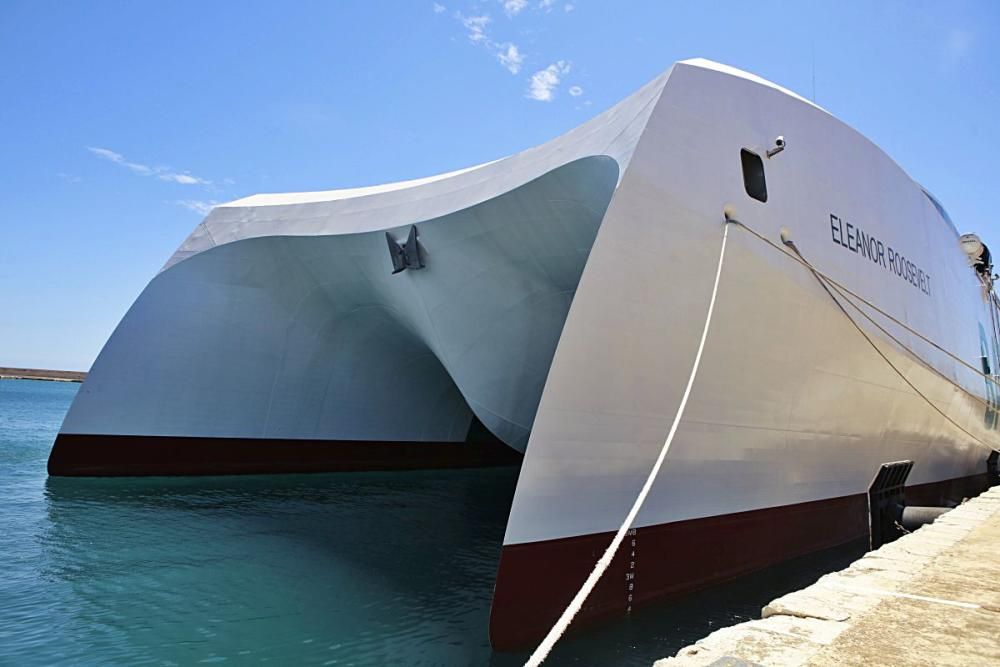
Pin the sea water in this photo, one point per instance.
(324, 569)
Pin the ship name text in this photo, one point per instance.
(855, 239)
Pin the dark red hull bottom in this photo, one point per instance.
(135, 455)
(537, 580)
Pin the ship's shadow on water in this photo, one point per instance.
(362, 568)
(358, 568)
(376, 521)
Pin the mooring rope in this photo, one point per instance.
(803, 262)
(822, 282)
(543, 649)
(829, 285)
(913, 354)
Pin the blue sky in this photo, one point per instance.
(122, 122)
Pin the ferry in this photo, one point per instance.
(545, 308)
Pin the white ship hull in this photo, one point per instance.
(560, 305)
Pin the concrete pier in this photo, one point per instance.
(930, 598)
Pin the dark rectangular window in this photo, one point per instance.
(753, 175)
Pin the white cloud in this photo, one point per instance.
(545, 81)
(163, 173)
(118, 158)
(568, 7)
(438, 8)
(546, 5)
(69, 178)
(107, 154)
(196, 205)
(476, 25)
(575, 91)
(183, 179)
(510, 57)
(514, 7)
(507, 53)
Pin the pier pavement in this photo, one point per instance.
(930, 598)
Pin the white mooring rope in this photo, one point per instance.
(543, 649)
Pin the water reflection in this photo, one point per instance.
(366, 568)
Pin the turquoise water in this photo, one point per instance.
(346, 569)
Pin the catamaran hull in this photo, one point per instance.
(553, 302)
(536, 580)
(793, 409)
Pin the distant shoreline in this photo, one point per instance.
(41, 374)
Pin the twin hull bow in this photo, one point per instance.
(557, 313)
